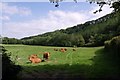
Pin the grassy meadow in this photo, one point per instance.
(83, 63)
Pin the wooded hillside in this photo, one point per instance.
(91, 33)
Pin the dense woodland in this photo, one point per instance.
(91, 33)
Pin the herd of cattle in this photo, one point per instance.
(35, 59)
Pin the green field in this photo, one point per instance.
(83, 63)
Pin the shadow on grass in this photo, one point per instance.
(103, 68)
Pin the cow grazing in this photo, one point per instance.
(46, 55)
(55, 49)
(74, 49)
(63, 49)
(34, 58)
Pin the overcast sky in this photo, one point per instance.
(22, 19)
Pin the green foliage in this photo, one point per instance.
(113, 46)
(63, 39)
(57, 39)
(7, 40)
(97, 40)
(77, 40)
(9, 69)
(116, 6)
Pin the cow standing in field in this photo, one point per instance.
(63, 49)
(34, 58)
(46, 55)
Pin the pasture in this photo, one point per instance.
(84, 63)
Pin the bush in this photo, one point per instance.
(107, 45)
(90, 45)
(113, 45)
(9, 69)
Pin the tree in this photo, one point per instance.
(77, 40)
(101, 3)
(57, 1)
(6, 40)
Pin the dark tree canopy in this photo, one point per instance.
(101, 3)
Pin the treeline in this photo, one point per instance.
(58, 39)
(6, 40)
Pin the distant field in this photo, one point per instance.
(80, 56)
(83, 63)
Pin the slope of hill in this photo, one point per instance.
(91, 33)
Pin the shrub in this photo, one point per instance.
(107, 44)
(9, 69)
(90, 45)
(113, 45)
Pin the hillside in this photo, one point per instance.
(91, 33)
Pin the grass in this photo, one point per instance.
(83, 63)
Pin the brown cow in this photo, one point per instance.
(34, 58)
(63, 49)
(55, 49)
(46, 55)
